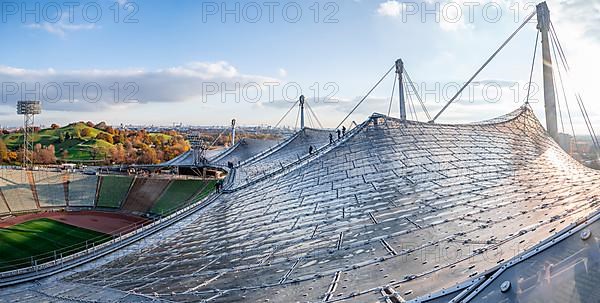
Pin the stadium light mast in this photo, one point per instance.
(28, 109)
(543, 17)
(232, 132)
(301, 101)
(400, 71)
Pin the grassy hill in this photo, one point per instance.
(79, 148)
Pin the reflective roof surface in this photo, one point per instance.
(393, 211)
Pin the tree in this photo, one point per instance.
(86, 132)
(94, 153)
(61, 137)
(12, 156)
(3, 152)
(44, 155)
(148, 156)
(117, 154)
(106, 137)
(54, 126)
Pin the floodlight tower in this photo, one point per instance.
(28, 109)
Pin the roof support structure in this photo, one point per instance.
(232, 132)
(301, 111)
(543, 17)
(400, 71)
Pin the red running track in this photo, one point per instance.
(105, 222)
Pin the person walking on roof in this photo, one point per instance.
(339, 134)
(219, 186)
(330, 138)
(310, 150)
(343, 130)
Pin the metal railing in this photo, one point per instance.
(301, 161)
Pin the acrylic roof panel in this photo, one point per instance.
(565, 271)
(394, 209)
(187, 158)
(283, 154)
(244, 149)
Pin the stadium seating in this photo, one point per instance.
(113, 191)
(144, 192)
(3, 206)
(82, 190)
(50, 188)
(55, 189)
(178, 194)
(17, 190)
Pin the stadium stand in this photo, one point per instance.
(82, 190)
(50, 188)
(144, 192)
(113, 190)
(178, 194)
(210, 187)
(17, 191)
(3, 205)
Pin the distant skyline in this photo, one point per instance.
(180, 61)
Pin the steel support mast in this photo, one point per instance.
(543, 17)
(301, 101)
(400, 71)
(232, 132)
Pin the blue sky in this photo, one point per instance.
(170, 54)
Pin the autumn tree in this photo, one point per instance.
(44, 155)
(117, 154)
(106, 137)
(148, 156)
(86, 132)
(3, 152)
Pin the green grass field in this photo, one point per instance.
(40, 238)
(179, 193)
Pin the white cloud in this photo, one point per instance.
(452, 16)
(61, 28)
(282, 72)
(191, 82)
(391, 8)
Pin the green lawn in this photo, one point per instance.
(113, 191)
(40, 238)
(179, 193)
